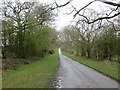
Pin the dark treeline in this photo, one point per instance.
(102, 44)
(26, 30)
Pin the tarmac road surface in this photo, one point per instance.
(72, 74)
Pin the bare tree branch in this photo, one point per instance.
(58, 6)
(89, 22)
(100, 18)
(82, 8)
(110, 3)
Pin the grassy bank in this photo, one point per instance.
(39, 74)
(108, 68)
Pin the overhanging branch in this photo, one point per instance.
(101, 18)
(89, 22)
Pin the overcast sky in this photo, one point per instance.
(64, 19)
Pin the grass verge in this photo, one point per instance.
(108, 68)
(39, 74)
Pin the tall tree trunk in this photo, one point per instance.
(88, 53)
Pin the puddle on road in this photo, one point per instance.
(57, 83)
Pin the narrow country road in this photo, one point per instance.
(72, 74)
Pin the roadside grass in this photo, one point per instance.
(108, 68)
(39, 74)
